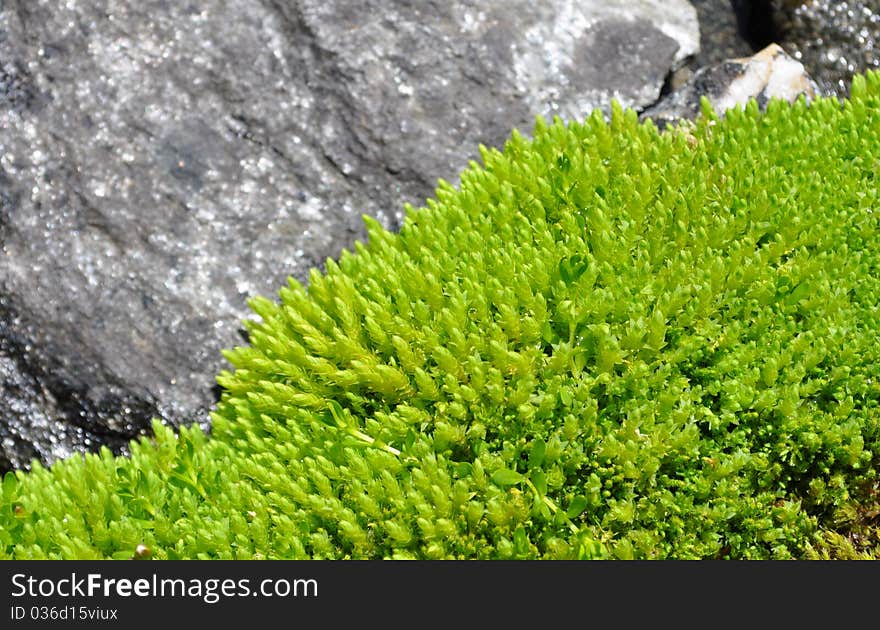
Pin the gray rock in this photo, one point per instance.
(833, 39)
(767, 74)
(720, 36)
(162, 161)
(720, 39)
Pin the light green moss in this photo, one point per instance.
(607, 342)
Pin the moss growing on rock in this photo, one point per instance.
(607, 342)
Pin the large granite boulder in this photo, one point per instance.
(162, 161)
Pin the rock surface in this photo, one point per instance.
(767, 74)
(162, 161)
(721, 38)
(834, 39)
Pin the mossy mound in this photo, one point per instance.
(608, 342)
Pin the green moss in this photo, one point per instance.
(608, 342)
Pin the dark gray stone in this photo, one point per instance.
(162, 161)
(720, 39)
(720, 36)
(834, 39)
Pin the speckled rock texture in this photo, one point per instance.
(162, 161)
(833, 38)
